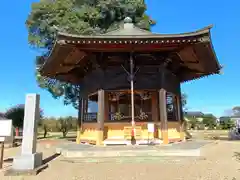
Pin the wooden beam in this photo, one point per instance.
(66, 77)
(75, 56)
(93, 58)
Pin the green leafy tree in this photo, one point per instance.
(45, 127)
(227, 123)
(184, 101)
(193, 123)
(65, 124)
(50, 125)
(209, 121)
(82, 17)
(236, 111)
(16, 114)
(2, 115)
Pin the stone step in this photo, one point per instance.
(129, 153)
(109, 141)
(139, 159)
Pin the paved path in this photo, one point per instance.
(73, 150)
(218, 163)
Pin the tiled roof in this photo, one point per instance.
(194, 113)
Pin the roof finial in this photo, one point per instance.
(128, 20)
(128, 24)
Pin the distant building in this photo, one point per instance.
(233, 118)
(194, 114)
(199, 115)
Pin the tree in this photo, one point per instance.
(227, 123)
(82, 17)
(2, 115)
(45, 127)
(236, 111)
(184, 101)
(64, 125)
(49, 125)
(209, 121)
(193, 123)
(16, 114)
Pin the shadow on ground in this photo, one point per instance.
(220, 138)
(45, 161)
(8, 160)
(69, 138)
(237, 155)
(50, 158)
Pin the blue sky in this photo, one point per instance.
(214, 94)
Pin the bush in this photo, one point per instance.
(227, 124)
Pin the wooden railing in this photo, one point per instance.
(128, 118)
(92, 118)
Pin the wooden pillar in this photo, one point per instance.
(163, 115)
(180, 117)
(106, 107)
(100, 117)
(106, 115)
(86, 105)
(80, 120)
(80, 112)
(155, 108)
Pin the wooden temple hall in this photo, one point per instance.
(134, 75)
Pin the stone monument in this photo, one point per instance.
(29, 158)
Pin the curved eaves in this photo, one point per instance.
(202, 31)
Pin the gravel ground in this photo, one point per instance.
(218, 163)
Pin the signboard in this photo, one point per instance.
(5, 131)
(5, 127)
(150, 127)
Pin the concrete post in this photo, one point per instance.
(29, 158)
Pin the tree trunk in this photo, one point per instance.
(45, 133)
(45, 128)
(64, 133)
